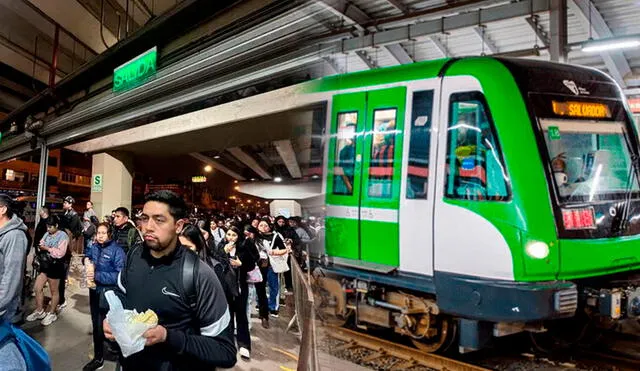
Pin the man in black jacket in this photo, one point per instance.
(187, 337)
(69, 222)
(125, 233)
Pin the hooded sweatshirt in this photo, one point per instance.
(13, 254)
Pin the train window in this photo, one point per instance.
(343, 168)
(382, 153)
(418, 170)
(475, 169)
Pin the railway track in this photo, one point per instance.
(386, 355)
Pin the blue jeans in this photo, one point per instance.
(274, 289)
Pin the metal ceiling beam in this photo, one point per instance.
(482, 33)
(364, 57)
(358, 18)
(399, 5)
(616, 63)
(75, 18)
(558, 19)
(539, 30)
(334, 66)
(246, 159)
(440, 46)
(216, 165)
(438, 26)
(285, 150)
(399, 54)
(430, 12)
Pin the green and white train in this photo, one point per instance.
(478, 196)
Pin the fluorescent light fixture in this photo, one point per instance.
(595, 46)
(277, 179)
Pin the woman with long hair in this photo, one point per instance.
(53, 248)
(108, 259)
(192, 238)
(238, 252)
(269, 243)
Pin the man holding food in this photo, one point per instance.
(191, 311)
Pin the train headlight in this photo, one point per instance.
(537, 249)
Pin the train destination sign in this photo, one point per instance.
(581, 109)
(136, 71)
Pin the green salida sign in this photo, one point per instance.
(136, 71)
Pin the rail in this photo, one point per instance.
(305, 318)
(405, 356)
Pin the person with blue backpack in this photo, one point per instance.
(18, 351)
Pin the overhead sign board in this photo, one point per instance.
(136, 71)
(199, 179)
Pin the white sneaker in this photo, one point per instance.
(244, 353)
(35, 316)
(49, 319)
(60, 307)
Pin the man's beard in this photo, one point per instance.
(157, 246)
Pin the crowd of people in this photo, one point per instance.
(201, 274)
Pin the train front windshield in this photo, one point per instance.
(589, 145)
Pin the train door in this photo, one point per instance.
(417, 190)
(470, 175)
(364, 177)
(343, 176)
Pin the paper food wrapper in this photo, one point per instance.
(128, 334)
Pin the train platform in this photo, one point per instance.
(69, 341)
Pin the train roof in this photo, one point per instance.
(531, 75)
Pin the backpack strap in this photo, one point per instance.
(189, 275)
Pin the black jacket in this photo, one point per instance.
(127, 236)
(196, 340)
(40, 231)
(71, 220)
(247, 253)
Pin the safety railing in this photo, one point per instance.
(304, 317)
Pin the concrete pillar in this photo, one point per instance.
(116, 176)
(287, 208)
(558, 25)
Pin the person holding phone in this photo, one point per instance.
(241, 261)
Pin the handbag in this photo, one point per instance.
(279, 263)
(44, 261)
(255, 276)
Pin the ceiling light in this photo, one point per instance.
(235, 181)
(315, 176)
(594, 46)
(277, 179)
(216, 157)
(208, 168)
